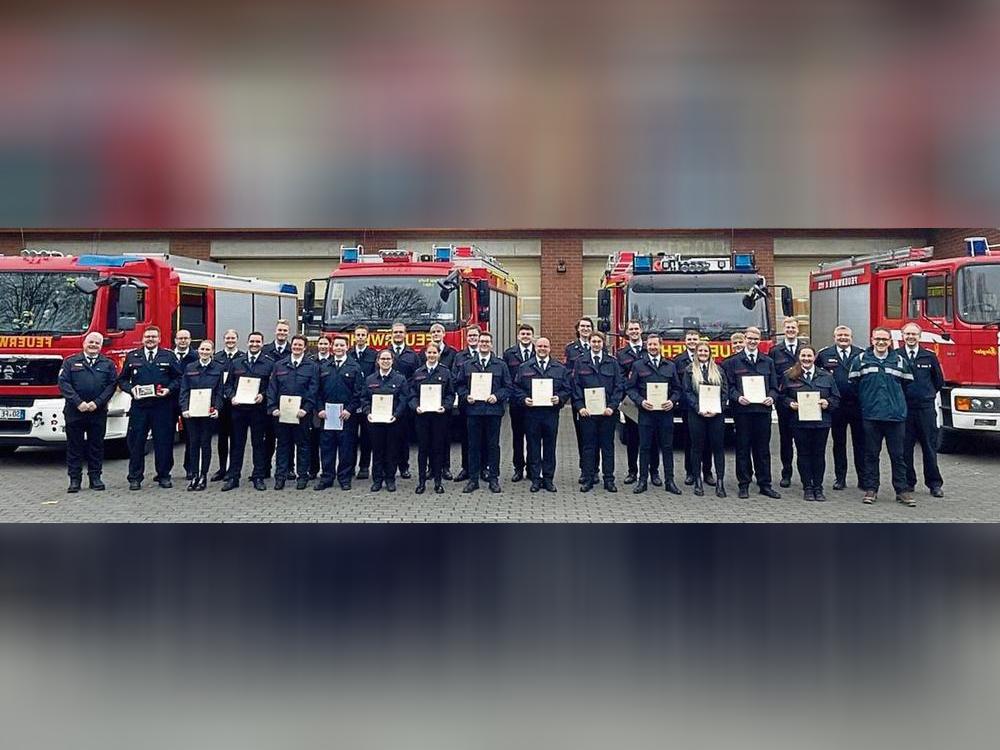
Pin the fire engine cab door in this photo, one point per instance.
(313, 305)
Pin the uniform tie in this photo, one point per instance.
(704, 373)
(753, 359)
(597, 360)
(253, 361)
(809, 377)
(482, 363)
(525, 353)
(90, 361)
(843, 356)
(656, 363)
(149, 356)
(543, 363)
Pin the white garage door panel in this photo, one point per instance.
(265, 315)
(233, 310)
(794, 272)
(286, 270)
(593, 273)
(526, 274)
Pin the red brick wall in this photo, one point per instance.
(562, 298)
(949, 243)
(10, 245)
(191, 247)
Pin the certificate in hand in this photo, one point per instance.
(541, 392)
(200, 402)
(594, 400)
(333, 421)
(430, 397)
(657, 394)
(481, 387)
(145, 391)
(710, 399)
(753, 389)
(246, 390)
(288, 409)
(809, 408)
(382, 407)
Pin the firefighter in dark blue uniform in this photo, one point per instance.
(364, 356)
(252, 417)
(921, 411)
(541, 423)
(340, 382)
(322, 358)
(226, 358)
(598, 369)
(294, 376)
(431, 426)
(810, 436)
(785, 354)
(752, 420)
(205, 373)
(87, 381)
(385, 381)
(275, 351)
(632, 350)
(461, 431)
(574, 349)
(152, 376)
(447, 359)
(656, 421)
(185, 356)
(405, 362)
(682, 436)
(514, 357)
(484, 417)
(706, 429)
(837, 360)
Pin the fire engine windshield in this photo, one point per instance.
(714, 312)
(382, 300)
(979, 293)
(35, 302)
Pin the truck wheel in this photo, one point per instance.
(949, 441)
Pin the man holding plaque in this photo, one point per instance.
(152, 376)
(542, 386)
(484, 386)
(654, 387)
(291, 399)
(246, 390)
(753, 389)
(340, 382)
(811, 395)
(598, 389)
(431, 396)
(514, 357)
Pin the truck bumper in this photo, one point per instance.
(979, 420)
(43, 422)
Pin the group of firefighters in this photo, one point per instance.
(329, 415)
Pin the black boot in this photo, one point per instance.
(421, 487)
(193, 484)
(720, 488)
(202, 483)
(699, 488)
(74, 485)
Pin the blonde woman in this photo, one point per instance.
(707, 428)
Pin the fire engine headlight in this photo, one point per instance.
(990, 405)
(963, 403)
(977, 404)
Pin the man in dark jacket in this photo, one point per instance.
(632, 350)
(460, 432)
(785, 354)
(447, 359)
(541, 422)
(406, 361)
(249, 417)
(598, 370)
(880, 377)
(574, 349)
(226, 358)
(656, 419)
(837, 360)
(514, 357)
(87, 381)
(185, 355)
(276, 351)
(340, 382)
(295, 376)
(921, 410)
(365, 356)
(484, 416)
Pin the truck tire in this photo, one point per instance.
(949, 440)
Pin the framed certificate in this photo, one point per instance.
(594, 400)
(753, 388)
(657, 393)
(334, 420)
(288, 409)
(200, 401)
(430, 397)
(541, 392)
(809, 408)
(481, 386)
(382, 407)
(145, 391)
(246, 390)
(710, 398)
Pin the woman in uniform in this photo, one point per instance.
(431, 426)
(203, 374)
(385, 436)
(810, 435)
(707, 427)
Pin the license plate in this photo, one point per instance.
(985, 423)
(16, 415)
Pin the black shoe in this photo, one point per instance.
(494, 485)
(654, 479)
(74, 485)
(808, 495)
(640, 487)
(839, 484)
(301, 484)
(699, 488)
(720, 489)
(517, 476)
(97, 484)
(937, 492)
(230, 484)
(362, 474)
(609, 485)
(192, 485)
(405, 474)
(421, 487)
(818, 495)
(484, 475)
(586, 486)
(688, 480)
(390, 485)
(345, 485)
(219, 475)
(709, 480)
(438, 488)
(376, 486)
(548, 485)
(202, 483)
(471, 486)
(743, 492)
(188, 476)
(134, 485)
(785, 482)
(446, 475)
(463, 476)
(630, 479)
(323, 484)
(165, 484)
(279, 484)
(770, 492)
(536, 485)
(258, 484)
(670, 486)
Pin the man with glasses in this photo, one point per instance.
(837, 360)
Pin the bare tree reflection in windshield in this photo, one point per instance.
(43, 302)
(387, 303)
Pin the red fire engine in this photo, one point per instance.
(49, 303)
(956, 301)
(454, 286)
(669, 294)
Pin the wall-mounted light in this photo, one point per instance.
(561, 266)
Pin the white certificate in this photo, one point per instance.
(145, 391)
(334, 420)
(809, 408)
(657, 394)
(288, 409)
(629, 411)
(199, 402)
(481, 387)
(541, 392)
(246, 390)
(594, 400)
(710, 398)
(430, 397)
(382, 407)
(753, 389)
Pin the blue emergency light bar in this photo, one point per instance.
(743, 262)
(442, 254)
(349, 254)
(642, 264)
(977, 246)
(105, 261)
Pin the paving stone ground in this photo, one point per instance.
(33, 489)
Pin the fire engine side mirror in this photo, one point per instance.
(85, 285)
(128, 307)
(918, 287)
(603, 325)
(483, 295)
(787, 309)
(309, 297)
(603, 303)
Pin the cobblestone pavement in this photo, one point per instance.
(34, 490)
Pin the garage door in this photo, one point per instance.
(287, 270)
(527, 273)
(794, 272)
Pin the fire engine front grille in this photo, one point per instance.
(12, 427)
(17, 401)
(24, 371)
